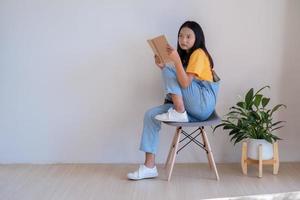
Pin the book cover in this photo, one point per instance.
(159, 48)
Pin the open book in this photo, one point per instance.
(159, 48)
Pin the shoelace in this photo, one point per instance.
(171, 110)
(173, 113)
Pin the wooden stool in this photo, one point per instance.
(213, 119)
(274, 161)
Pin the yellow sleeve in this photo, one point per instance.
(199, 64)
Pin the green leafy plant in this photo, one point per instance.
(251, 118)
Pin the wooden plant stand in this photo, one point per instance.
(274, 161)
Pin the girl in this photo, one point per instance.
(190, 92)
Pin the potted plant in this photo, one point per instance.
(251, 120)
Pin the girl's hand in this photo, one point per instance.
(158, 62)
(173, 55)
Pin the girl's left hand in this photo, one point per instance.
(173, 54)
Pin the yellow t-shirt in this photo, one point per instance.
(200, 66)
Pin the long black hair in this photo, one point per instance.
(199, 43)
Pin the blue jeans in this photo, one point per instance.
(199, 100)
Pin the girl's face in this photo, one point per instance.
(186, 38)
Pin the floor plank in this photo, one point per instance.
(108, 181)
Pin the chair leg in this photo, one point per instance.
(210, 154)
(205, 146)
(174, 151)
(171, 148)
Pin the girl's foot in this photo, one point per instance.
(173, 116)
(143, 172)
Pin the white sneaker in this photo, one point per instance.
(143, 172)
(173, 116)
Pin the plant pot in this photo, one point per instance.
(267, 149)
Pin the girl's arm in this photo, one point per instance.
(184, 78)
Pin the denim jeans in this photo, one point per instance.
(199, 101)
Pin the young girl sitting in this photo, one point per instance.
(190, 92)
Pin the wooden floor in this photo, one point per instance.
(108, 181)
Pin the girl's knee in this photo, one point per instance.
(149, 114)
(152, 112)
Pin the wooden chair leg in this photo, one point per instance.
(171, 148)
(260, 165)
(276, 158)
(210, 154)
(244, 158)
(174, 152)
(205, 146)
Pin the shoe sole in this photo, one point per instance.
(134, 179)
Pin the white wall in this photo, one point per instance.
(77, 76)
